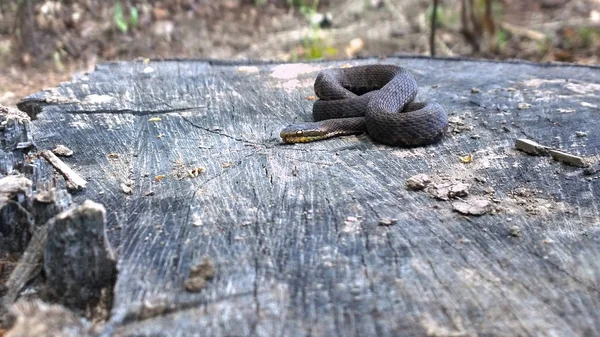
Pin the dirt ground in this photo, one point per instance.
(45, 42)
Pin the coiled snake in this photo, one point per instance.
(377, 99)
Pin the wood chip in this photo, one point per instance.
(531, 147)
(568, 158)
(199, 274)
(62, 151)
(515, 231)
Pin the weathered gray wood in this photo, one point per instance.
(294, 231)
(28, 199)
(29, 267)
(78, 259)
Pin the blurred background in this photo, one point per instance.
(44, 42)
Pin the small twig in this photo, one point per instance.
(433, 26)
(74, 180)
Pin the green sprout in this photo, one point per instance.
(121, 22)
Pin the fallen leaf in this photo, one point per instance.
(467, 159)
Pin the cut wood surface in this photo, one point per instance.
(324, 239)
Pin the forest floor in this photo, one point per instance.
(45, 42)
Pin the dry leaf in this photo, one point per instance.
(467, 159)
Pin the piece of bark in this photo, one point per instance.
(15, 220)
(29, 266)
(78, 259)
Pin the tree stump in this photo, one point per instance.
(325, 238)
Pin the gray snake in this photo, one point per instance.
(377, 99)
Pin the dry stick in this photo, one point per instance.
(74, 180)
(433, 26)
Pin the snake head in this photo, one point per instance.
(301, 133)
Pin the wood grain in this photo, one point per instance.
(293, 231)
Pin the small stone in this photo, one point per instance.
(417, 182)
(523, 192)
(62, 151)
(204, 269)
(471, 207)
(581, 134)
(523, 106)
(126, 189)
(515, 231)
(475, 136)
(149, 193)
(455, 120)
(591, 169)
(458, 190)
(475, 90)
(387, 222)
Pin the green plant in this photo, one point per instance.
(121, 22)
(312, 44)
(587, 35)
(501, 38)
(58, 63)
(296, 3)
(314, 48)
(544, 46)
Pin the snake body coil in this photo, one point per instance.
(377, 99)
